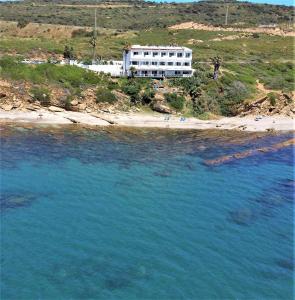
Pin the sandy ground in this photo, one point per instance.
(200, 26)
(259, 123)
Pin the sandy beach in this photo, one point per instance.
(153, 120)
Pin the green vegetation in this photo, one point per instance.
(133, 86)
(175, 100)
(105, 95)
(141, 15)
(148, 96)
(41, 94)
(67, 76)
(272, 98)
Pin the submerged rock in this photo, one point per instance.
(163, 173)
(8, 201)
(287, 263)
(243, 216)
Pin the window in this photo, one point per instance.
(162, 63)
(145, 63)
(155, 54)
(134, 63)
(163, 54)
(178, 63)
(187, 64)
(154, 63)
(170, 63)
(135, 53)
(177, 72)
(179, 54)
(171, 54)
(187, 72)
(154, 72)
(187, 55)
(145, 53)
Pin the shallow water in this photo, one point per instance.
(136, 214)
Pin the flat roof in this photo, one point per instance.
(139, 47)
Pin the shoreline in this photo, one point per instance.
(149, 120)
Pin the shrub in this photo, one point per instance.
(206, 103)
(105, 95)
(272, 98)
(65, 102)
(175, 101)
(41, 94)
(81, 33)
(233, 95)
(132, 89)
(22, 23)
(147, 96)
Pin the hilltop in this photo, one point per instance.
(138, 15)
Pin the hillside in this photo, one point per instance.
(142, 15)
(249, 55)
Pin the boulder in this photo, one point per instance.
(82, 106)
(161, 108)
(16, 104)
(55, 109)
(74, 102)
(7, 107)
(33, 107)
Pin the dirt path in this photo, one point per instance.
(199, 26)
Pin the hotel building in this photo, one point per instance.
(157, 61)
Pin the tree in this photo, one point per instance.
(93, 41)
(132, 71)
(216, 61)
(68, 52)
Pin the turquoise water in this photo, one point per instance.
(136, 214)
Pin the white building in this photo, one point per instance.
(157, 61)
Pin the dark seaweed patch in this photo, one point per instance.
(117, 282)
(242, 216)
(287, 264)
(163, 173)
(16, 200)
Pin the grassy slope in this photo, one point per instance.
(247, 58)
(144, 15)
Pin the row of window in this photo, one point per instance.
(162, 73)
(161, 63)
(163, 54)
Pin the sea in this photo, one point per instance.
(109, 213)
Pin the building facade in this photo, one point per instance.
(157, 61)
